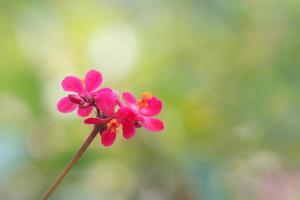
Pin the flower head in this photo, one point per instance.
(112, 114)
(83, 92)
(106, 101)
(145, 109)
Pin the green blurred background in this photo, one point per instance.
(227, 71)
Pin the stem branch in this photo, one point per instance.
(72, 162)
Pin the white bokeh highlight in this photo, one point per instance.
(114, 51)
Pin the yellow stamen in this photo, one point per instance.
(113, 125)
(145, 97)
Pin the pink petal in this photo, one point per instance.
(119, 102)
(64, 105)
(108, 138)
(103, 89)
(125, 113)
(130, 100)
(96, 120)
(72, 84)
(93, 80)
(154, 107)
(152, 124)
(106, 102)
(128, 129)
(83, 112)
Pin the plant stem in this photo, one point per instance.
(72, 162)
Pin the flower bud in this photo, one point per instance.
(75, 99)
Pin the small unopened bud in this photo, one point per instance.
(137, 124)
(75, 99)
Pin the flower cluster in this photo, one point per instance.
(112, 114)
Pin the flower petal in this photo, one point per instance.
(153, 108)
(72, 84)
(96, 121)
(93, 80)
(125, 113)
(108, 138)
(128, 129)
(64, 105)
(152, 124)
(130, 100)
(102, 89)
(106, 102)
(83, 112)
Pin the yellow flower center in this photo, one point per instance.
(145, 97)
(113, 125)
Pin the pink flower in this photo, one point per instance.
(145, 109)
(106, 101)
(112, 114)
(83, 94)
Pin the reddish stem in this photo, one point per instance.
(72, 162)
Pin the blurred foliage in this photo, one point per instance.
(227, 72)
